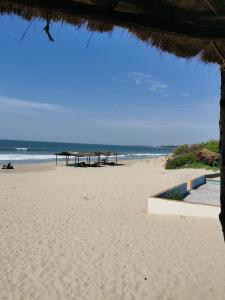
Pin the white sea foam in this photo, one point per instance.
(18, 157)
(37, 157)
(21, 149)
(147, 154)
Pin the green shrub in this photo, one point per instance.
(196, 147)
(181, 160)
(184, 149)
(186, 156)
(181, 150)
(212, 145)
(201, 165)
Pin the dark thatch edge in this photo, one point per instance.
(184, 28)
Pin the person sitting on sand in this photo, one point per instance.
(8, 166)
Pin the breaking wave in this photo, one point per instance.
(21, 149)
(46, 157)
(23, 157)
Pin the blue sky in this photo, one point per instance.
(116, 90)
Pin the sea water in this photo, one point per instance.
(30, 151)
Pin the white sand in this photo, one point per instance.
(69, 233)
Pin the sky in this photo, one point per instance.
(101, 88)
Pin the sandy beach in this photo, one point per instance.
(84, 233)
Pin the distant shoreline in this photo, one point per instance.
(48, 165)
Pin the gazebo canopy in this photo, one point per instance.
(186, 28)
(86, 154)
(66, 153)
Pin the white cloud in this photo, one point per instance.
(185, 94)
(157, 86)
(17, 105)
(151, 83)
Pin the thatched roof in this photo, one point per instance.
(86, 154)
(66, 153)
(186, 28)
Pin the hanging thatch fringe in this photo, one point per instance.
(185, 28)
(220, 54)
(211, 7)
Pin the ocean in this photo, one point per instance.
(34, 152)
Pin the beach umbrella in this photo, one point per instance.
(190, 28)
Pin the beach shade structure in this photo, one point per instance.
(107, 154)
(190, 28)
(76, 155)
(116, 157)
(98, 154)
(66, 154)
(86, 155)
(114, 154)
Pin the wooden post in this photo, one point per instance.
(222, 151)
(56, 160)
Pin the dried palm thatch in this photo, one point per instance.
(208, 157)
(186, 28)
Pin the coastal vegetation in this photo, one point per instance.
(203, 155)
